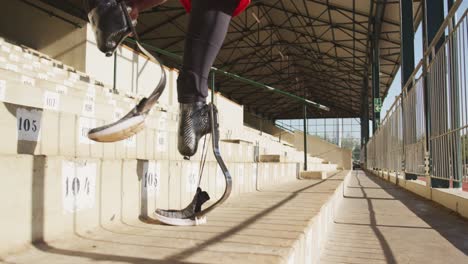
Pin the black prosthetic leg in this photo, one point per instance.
(193, 213)
(112, 24)
(208, 25)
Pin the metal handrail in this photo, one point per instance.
(443, 27)
(284, 128)
(424, 131)
(239, 78)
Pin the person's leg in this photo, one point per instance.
(208, 24)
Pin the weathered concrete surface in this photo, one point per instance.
(316, 175)
(270, 158)
(383, 223)
(274, 225)
(320, 148)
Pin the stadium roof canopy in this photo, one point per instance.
(318, 49)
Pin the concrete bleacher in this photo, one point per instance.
(58, 183)
(281, 224)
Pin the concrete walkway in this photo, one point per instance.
(379, 222)
(259, 227)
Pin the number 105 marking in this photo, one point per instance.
(27, 125)
(151, 180)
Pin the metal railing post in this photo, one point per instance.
(305, 137)
(407, 65)
(426, 128)
(114, 88)
(454, 87)
(213, 88)
(434, 17)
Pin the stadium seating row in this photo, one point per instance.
(66, 183)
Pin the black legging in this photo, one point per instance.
(208, 24)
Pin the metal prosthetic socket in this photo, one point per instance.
(193, 214)
(103, 14)
(194, 123)
(109, 23)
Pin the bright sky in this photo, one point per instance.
(395, 88)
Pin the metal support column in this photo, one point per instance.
(366, 109)
(376, 101)
(364, 117)
(377, 28)
(407, 40)
(305, 137)
(361, 119)
(433, 18)
(407, 58)
(457, 169)
(365, 112)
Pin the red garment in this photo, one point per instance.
(241, 7)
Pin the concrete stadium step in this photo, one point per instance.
(68, 185)
(61, 85)
(65, 194)
(270, 158)
(20, 81)
(239, 151)
(28, 130)
(314, 159)
(380, 222)
(35, 131)
(59, 76)
(47, 73)
(322, 167)
(267, 145)
(316, 175)
(276, 158)
(40, 66)
(47, 68)
(27, 56)
(44, 68)
(19, 92)
(40, 97)
(75, 88)
(282, 224)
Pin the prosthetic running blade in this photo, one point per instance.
(134, 121)
(193, 214)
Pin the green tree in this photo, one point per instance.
(349, 143)
(356, 153)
